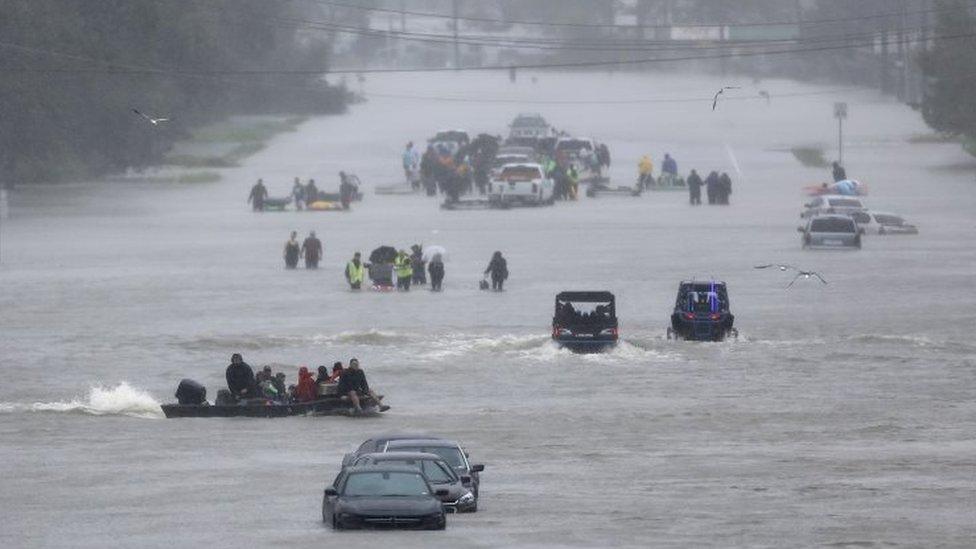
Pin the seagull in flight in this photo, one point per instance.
(806, 275)
(777, 265)
(153, 121)
(720, 92)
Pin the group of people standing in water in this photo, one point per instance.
(717, 188)
(311, 248)
(243, 385)
(397, 269)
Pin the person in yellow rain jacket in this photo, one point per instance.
(645, 170)
(404, 270)
(355, 272)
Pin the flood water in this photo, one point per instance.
(844, 415)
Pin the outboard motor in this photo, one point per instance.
(191, 393)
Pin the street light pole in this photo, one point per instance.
(840, 113)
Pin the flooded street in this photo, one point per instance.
(844, 415)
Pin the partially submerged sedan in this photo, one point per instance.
(883, 223)
(383, 497)
(451, 452)
(831, 231)
(438, 472)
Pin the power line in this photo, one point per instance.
(653, 100)
(110, 67)
(616, 26)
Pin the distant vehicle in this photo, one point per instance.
(582, 153)
(520, 184)
(460, 137)
(702, 313)
(528, 128)
(832, 204)
(516, 150)
(450, 451)
(600, 189)
(882, 223)
(509, 158)
(383, 496)
(831, 231)
(585, 321)
(440, 475)
(378, 443)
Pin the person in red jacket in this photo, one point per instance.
(306, 391)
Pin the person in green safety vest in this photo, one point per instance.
(404, 270)
(355, 272)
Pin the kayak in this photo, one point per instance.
(262, 408)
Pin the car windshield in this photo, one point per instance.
(436, 472)
(832, 225)
(892, 220)
(386, 483)
(520, 173)
(449, 454)
(845, 203)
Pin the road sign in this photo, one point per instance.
(840, 110)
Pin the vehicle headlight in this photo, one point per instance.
(468, 497)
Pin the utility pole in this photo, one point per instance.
(457, 46)
(840, 113)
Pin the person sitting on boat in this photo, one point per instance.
(323, 375)
(336, 372)
(669, 166)
(240, 377)
(353, 385)
(279, 384)
(306, 390)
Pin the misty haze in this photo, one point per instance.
(536, 273)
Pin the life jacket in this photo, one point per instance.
(356, 274)
(403, 266)
(306, 389)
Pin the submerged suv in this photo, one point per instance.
(831, 231)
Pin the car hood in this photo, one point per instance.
(419, 505)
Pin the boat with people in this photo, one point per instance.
(192, 402)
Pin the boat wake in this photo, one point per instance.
(121, 400)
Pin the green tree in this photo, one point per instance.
(949, 105)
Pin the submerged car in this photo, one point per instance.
(527, 128)
(702, 313)
(832, 204)
(451, 452)
(520, 184)
(830, 231)
(585, 321)
(383, 496)
(871, 222)
(378, 444)
(438, 472)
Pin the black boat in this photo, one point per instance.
(585, 321)
(192, 402)
(701, 312)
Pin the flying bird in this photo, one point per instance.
(806, 275)
(151, 120)
(720, 92)
(778, 266)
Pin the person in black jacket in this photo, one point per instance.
(353, 385)
(694, 188)
(712, 187)
(436, 269)
(840, 173)
(724, 188)
(498, 268)
(240, 377)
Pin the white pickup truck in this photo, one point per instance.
(520, 184)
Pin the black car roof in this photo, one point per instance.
(434, 442)
(402, 436)
(392, 456)
(585, 296)
(378, 468)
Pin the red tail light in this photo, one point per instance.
(690, 316)
(714, 316)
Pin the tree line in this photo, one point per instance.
(71, 71)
